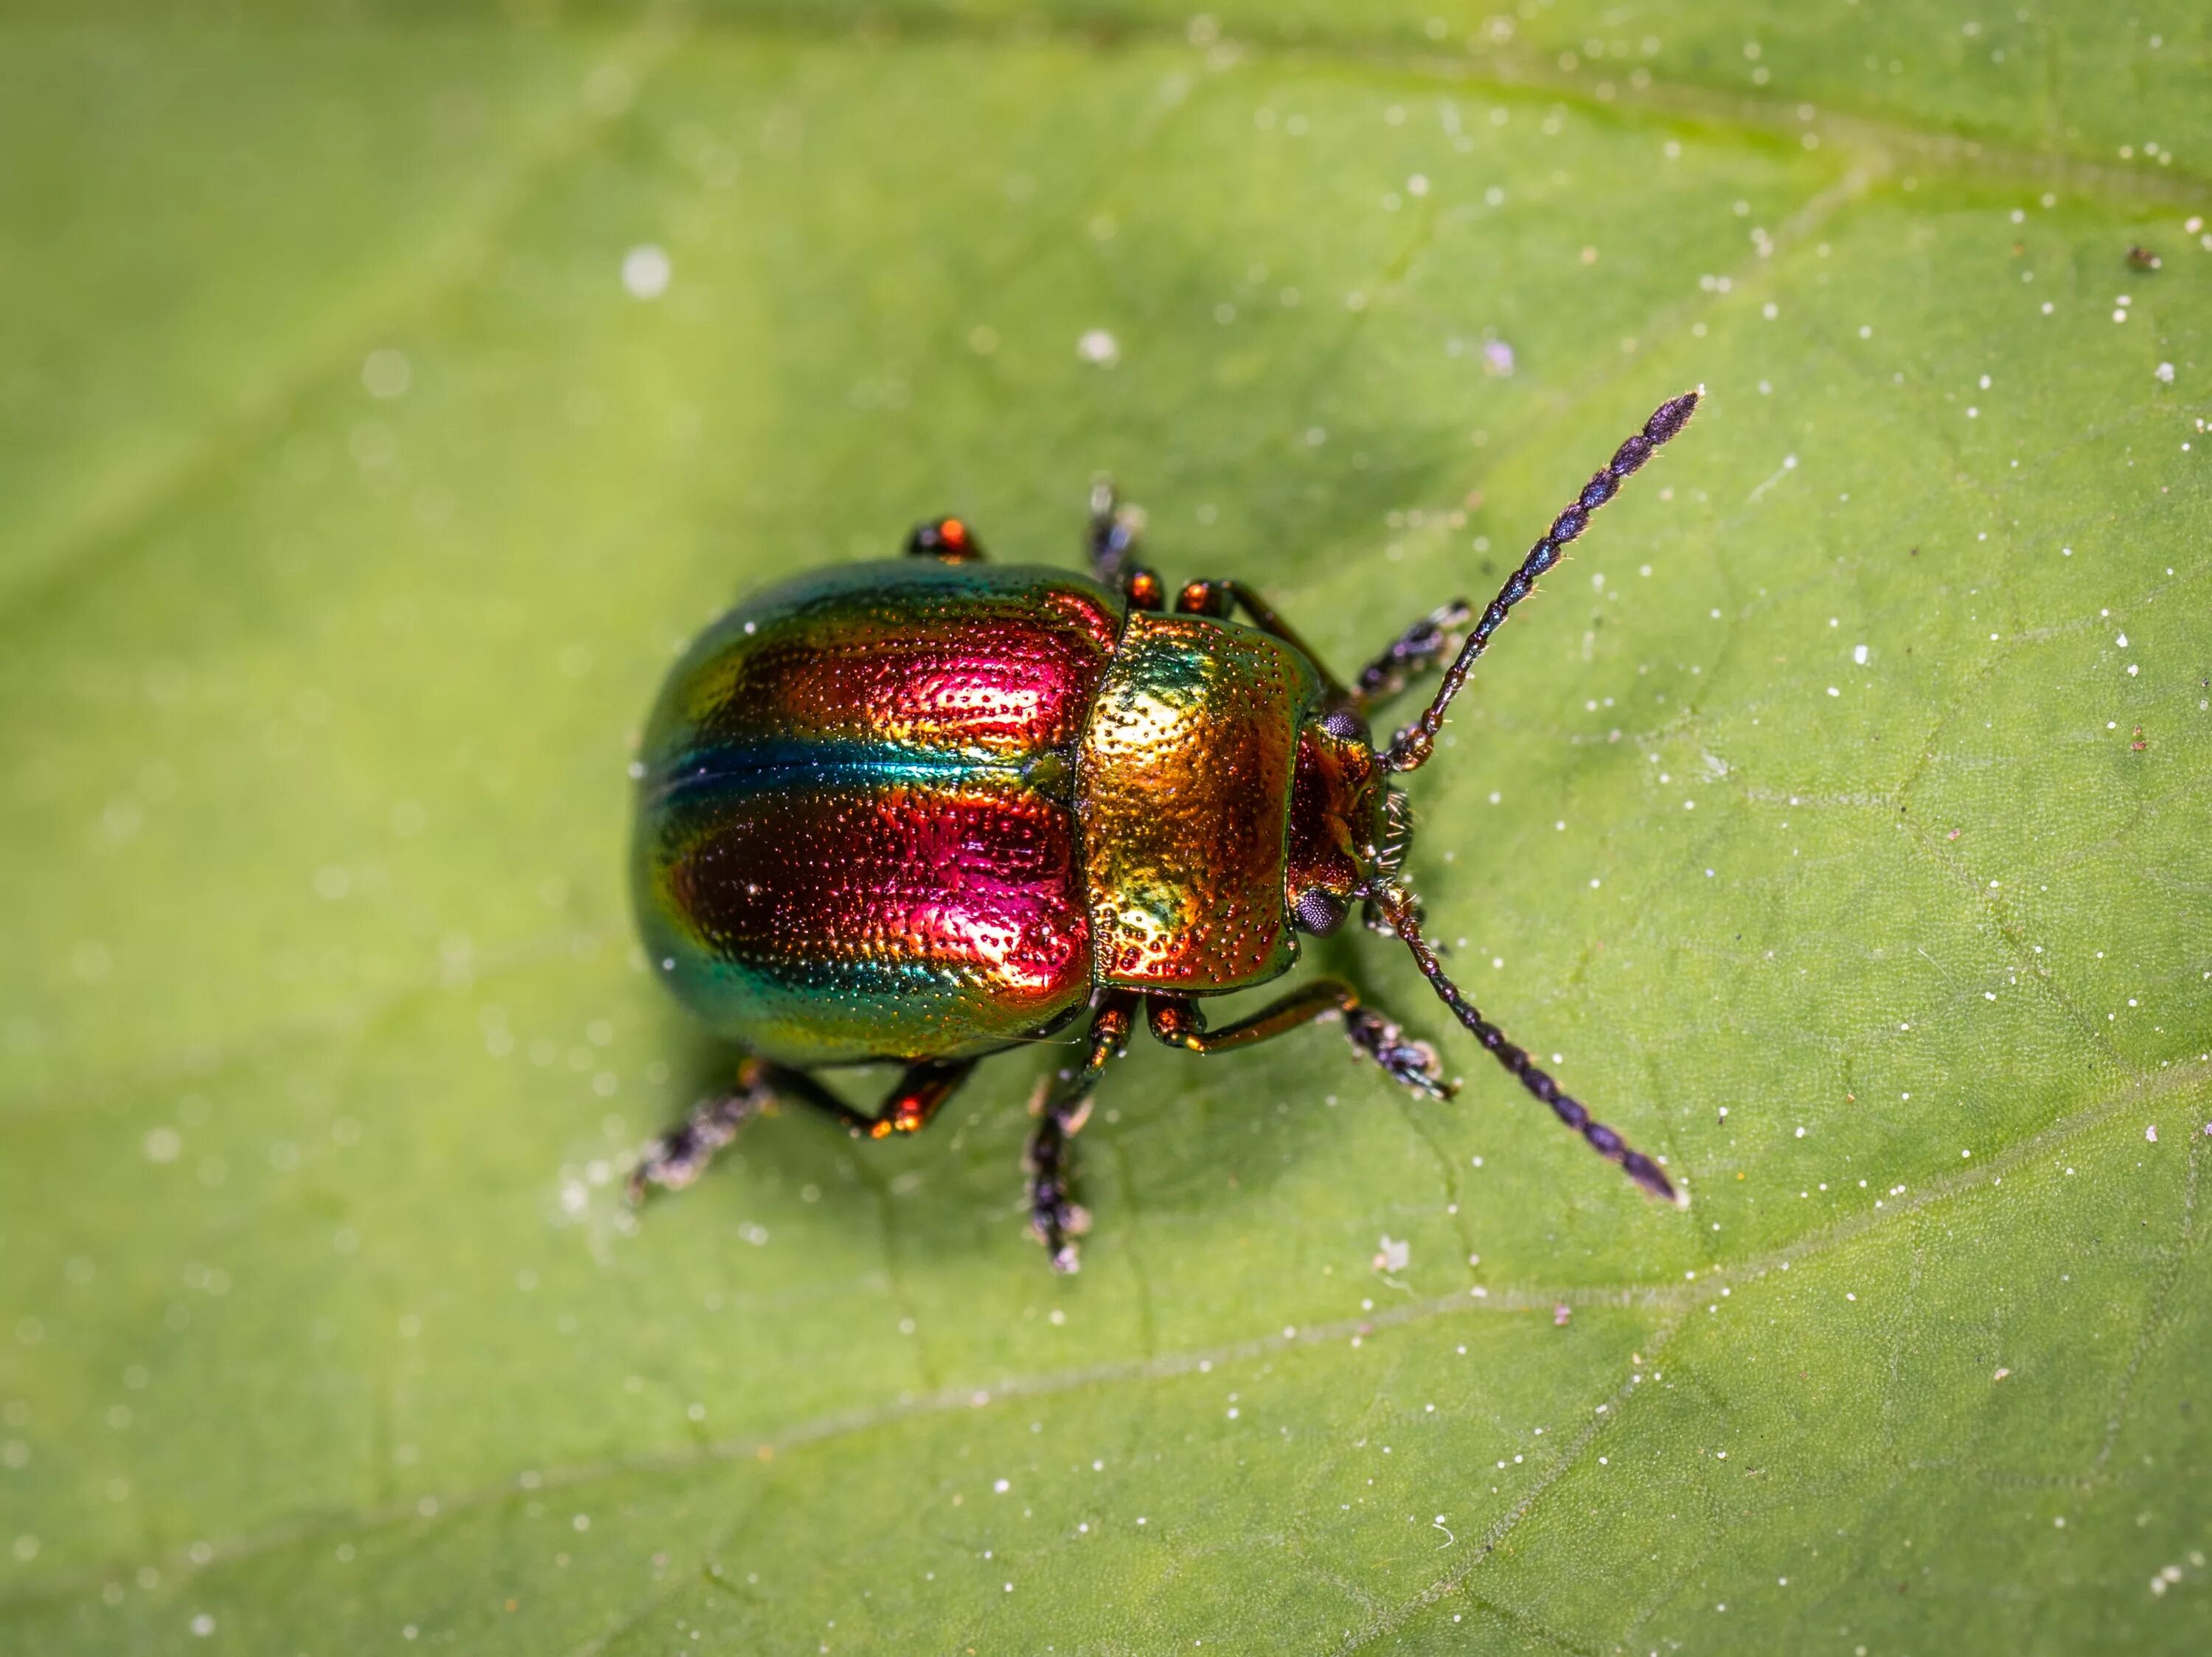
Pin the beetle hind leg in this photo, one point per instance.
(911, 1106)
(680, 1155)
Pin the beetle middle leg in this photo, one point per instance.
(1062, 1109)
(1177, 1021)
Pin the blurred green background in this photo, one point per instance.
(386, 393)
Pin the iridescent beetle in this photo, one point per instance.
(924, 810)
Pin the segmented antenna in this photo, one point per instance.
(1411, 748)
(1397, 908)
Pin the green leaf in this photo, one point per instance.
(1838, 816)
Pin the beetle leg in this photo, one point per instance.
(950, 540)
(915, 1097)
(921, 1091)
(1062, 1107)
(1419, 648)
(1218, 598)
(681, 1154)
(1205, 598)
(1111, 540)
(1177, 1021)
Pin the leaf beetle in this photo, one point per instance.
(922, 810)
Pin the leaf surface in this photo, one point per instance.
(1835, 822)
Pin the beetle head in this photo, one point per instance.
(1347, 824)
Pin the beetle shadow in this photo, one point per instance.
(1180, 1130)
(1266, 1115)
(788, 1154)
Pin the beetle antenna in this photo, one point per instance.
(1396, 905)
(1411, 749)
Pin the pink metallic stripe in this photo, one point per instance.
(947, 672)
(880, 892)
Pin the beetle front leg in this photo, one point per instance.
(1419, 648)
(1177, 1021)
(1062, 1107)
(1220, 597)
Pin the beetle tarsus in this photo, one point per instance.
(1419, 648)
(1412, 1064)
(950, 540)
(1055, 1218)
(1062, 1106)
(1056, 1222)
(1111, 537)
(1177, 1021)
(680, 1155)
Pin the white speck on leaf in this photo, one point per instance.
(645, 271)
(387, 374)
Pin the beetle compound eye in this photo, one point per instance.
(1319, 913)
(1344, 724)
